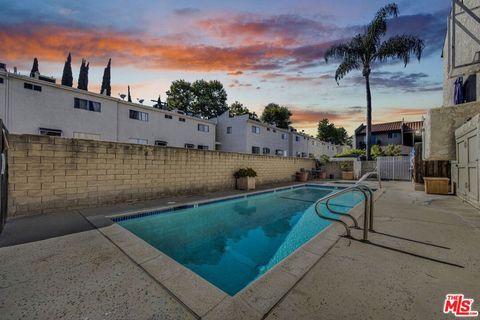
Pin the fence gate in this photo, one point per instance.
(394, 168)
(3, 175)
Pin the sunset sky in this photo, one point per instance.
(262, 51)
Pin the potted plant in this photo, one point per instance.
(324, 159)
(302, 176)
(347, 170)
(245, 178)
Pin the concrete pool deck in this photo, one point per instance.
(421, 240)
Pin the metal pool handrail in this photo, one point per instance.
(336, 194)
(371, 206)
(368, 174)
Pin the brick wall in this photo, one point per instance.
(48, 174)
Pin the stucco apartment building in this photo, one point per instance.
(29, 105)
(244, 135)
(452, 132)
(401, 133)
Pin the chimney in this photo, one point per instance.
(3, 66)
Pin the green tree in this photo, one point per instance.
(276, 115)
(34, 68)
(237, 109)
(206, 99)
(158, 104)
(180, 96)
(210, 98)
(67, 76)
(329, 133)
(83, 75)
(367, 49)
(106, 87)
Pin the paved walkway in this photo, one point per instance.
(84, 276)
(355, 280)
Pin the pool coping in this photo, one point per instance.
(203, 298)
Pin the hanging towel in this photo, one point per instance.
(458, 91)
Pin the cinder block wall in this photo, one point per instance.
(49, 174)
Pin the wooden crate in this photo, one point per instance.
(436, 185)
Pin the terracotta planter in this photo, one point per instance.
(302, 176)
(347, 175)
(246, 183)
(322, 175)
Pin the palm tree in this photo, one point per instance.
(367, 48)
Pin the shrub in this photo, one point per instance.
(393, 150)
(376, 151)
(324, 159)
(346, 166)
(245, 172)
(350, 153)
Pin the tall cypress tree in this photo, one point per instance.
(34, 68)
(159, 102)
(67, 77)
(86, 75)
(106, 80)
(83, 76)
(129, 96)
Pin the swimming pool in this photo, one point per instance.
(232, 242)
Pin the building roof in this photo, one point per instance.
(391, 126)
(413, 126)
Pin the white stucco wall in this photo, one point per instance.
(460, 49)
(25, 111)
(269, 137)
(174, 131)
(236, 141)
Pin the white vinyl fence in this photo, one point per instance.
(394, 168)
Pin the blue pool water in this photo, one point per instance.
(231, 243)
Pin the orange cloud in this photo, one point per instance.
(52, 43)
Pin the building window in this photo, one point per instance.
(256, 150)
(284, 136)
(297, 138)
(1, 80)
(203, 127)
(167, 116)
(138, 141)
(189, 146)
(266, 151)
(161, 143)
(87, 105)
(279, 152)
(32, 86)
(87, 136)
(255, 129)
(304, 155)
(393, 135)
(229, 130)
(138, 115)
(268, 129)
(181, 119)
(50, 132)
(202, 147)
